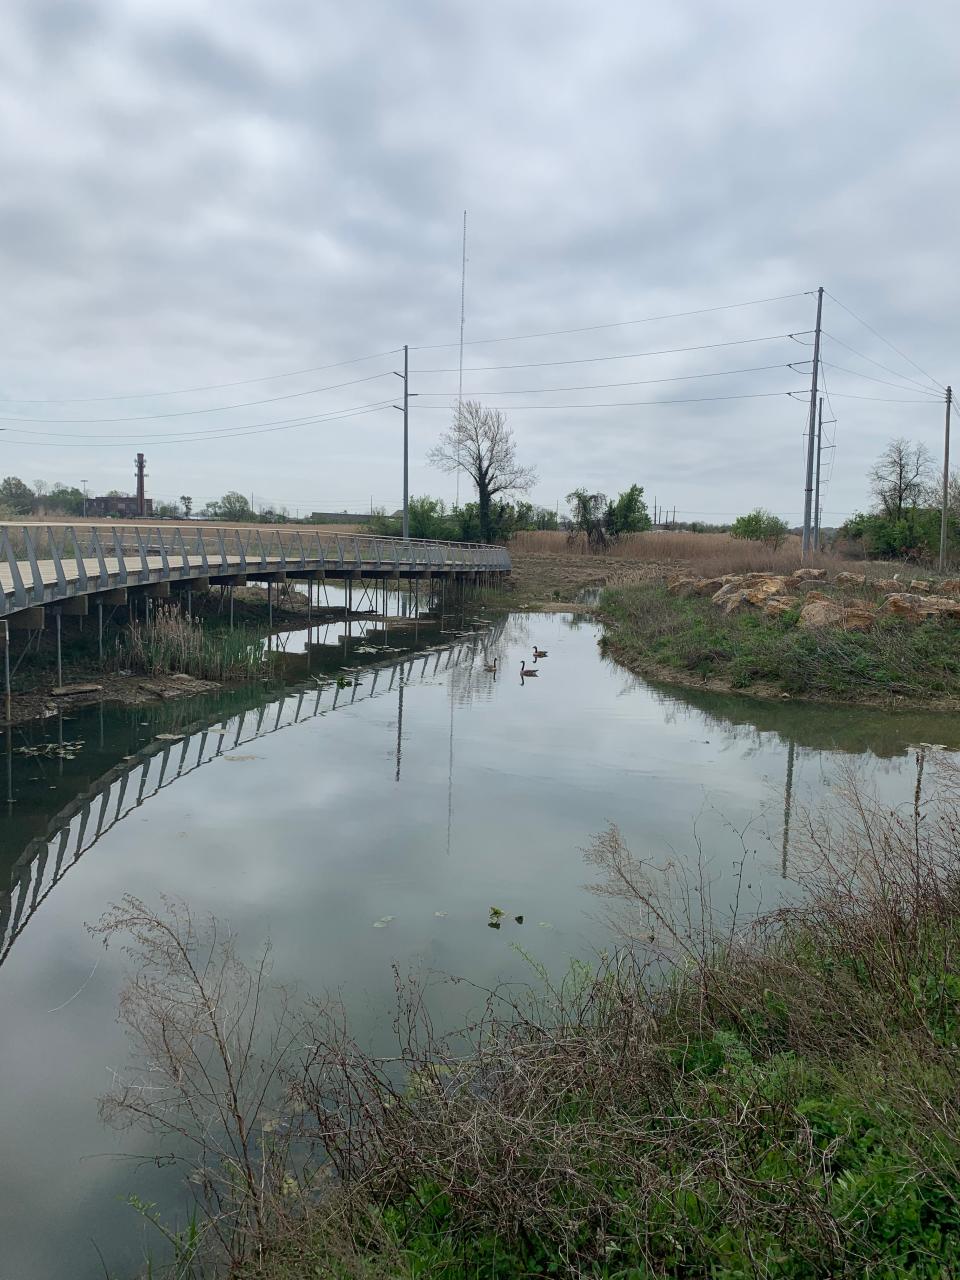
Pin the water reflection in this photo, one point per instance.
(363, 817)
(169, 757)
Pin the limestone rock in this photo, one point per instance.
(807, 575)
(728, 589)
(737, 599)
(886, 585)
(825, 612)
(777, 606)
(917, 608)
(921, 584)
(706, 586)
(819, 596)
(819, 613)
(850, 579)
(950, 586)
(748, 588)
(858, 617)
(765, 590)
(681, 586)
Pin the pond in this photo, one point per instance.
(359, 823)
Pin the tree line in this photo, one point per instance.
(905, 515)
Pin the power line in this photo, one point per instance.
(615, 324)
(870, 377)
(201, 431)
(905, 377)
(214, 386)
(626, 404)
(250, 429)
(223, 408)
(596, 386)
(848, 395)
(629, 355)
(901, 354)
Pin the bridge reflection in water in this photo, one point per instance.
(76, 828)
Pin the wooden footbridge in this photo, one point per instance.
(66, 567)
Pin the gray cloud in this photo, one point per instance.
(193, 196)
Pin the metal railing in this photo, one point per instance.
(44, 563)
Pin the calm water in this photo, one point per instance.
(355, 827)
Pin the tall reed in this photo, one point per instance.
(172, 642)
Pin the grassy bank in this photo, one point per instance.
(653, 632)
(777, 1098)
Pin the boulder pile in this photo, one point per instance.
(778, 594)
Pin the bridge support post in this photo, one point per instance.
(59, 648)
(7, 699)
(189, 604)
(270, 604)
(100, 630)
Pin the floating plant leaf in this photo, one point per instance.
(382, 922)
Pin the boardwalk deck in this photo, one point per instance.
(51, 564)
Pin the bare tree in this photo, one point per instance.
(480, 442)
(901, 477)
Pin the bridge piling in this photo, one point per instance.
(8, 713)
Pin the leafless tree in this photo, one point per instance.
(901, 477)
(480, 442)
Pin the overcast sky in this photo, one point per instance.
(200, 193)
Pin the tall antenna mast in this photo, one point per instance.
(463, 295)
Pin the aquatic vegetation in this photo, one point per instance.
(172, 642)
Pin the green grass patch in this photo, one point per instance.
(646, 626)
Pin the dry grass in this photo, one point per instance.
(706, 553)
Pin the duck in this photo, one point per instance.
(491, 666)
(539, 653)
(527, 671)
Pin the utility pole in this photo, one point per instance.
(406, 439)
(808, 490)
(84, 483)
(141, 487)
(946, 480)
(463, 299)
(816, 492)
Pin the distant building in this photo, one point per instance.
(339, 517)
(117, 506)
